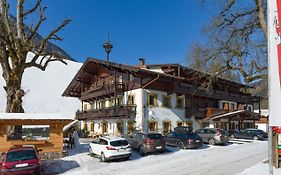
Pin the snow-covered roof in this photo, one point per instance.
(66, 127)
(43, 89)
(33, 116)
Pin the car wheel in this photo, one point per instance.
(181, 146)
(232, 136)
(102, 157)
(142, 152)
(211, 141)
(255, 138)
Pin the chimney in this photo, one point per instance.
(141, 62)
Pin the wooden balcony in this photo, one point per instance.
(216, 111)
(110, 112)
(197, 113)
(100, 91)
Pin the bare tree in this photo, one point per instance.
(236, 38)
(16, 41)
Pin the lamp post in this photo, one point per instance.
(107, 47)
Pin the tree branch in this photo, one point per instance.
(36, 6)
(261, 17)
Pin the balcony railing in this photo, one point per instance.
(106, 89)
(109, 112)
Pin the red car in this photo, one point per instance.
(21, 160)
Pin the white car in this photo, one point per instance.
(109, 147)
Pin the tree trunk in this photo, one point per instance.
(14, 104)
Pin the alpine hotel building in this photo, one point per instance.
(118, 99)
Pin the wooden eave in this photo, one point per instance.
(191, 72)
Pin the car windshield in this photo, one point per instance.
(119, 143)
(20, 155)
(155, 136)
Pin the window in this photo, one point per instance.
(120, 127)
(166, 103)
(120, 79)
(103, 142)
(104, 127)
(84, 107)
(180, 102)
(225, 105)
(112, 102)
(92, 126)
(166, 127)
(232, 106)
(119, 101)
(85, 127)
(152, 100)
(131, 100)
(131, 127)
(250, 109)
(152, 126)
(91, 106)
(179, 123)
(188, 124)
(29, 132)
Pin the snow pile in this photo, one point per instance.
(44, 89)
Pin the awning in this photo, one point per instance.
(245, 113)
(68, 126)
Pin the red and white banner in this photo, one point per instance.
(274, 61)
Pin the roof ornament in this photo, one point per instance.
(107, 47)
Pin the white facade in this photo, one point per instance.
(144, 113)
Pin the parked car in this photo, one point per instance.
(183, 129)
(109, 148)
(255, 134)
(213, 135)
(232, 133)
(21, 160)
(147, 142)
(184, 139)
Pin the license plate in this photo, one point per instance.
(121, 150)
(158, 147)
(198, 141)
(21, 165)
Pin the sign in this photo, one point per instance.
(274, 61)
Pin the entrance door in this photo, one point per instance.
(104, 128)
(120, 127)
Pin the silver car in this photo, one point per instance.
(213, 136)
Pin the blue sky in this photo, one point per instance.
(161, 31)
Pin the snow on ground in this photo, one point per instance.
(260, 168)
(212, 160)
(44, 89)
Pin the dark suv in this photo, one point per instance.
(213, 135)
(255, 134)
(183, 139)
(147, 142)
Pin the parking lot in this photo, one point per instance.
(212, 160)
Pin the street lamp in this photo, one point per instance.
(107, 47)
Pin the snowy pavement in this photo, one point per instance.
(260, 168)
(212, 160)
